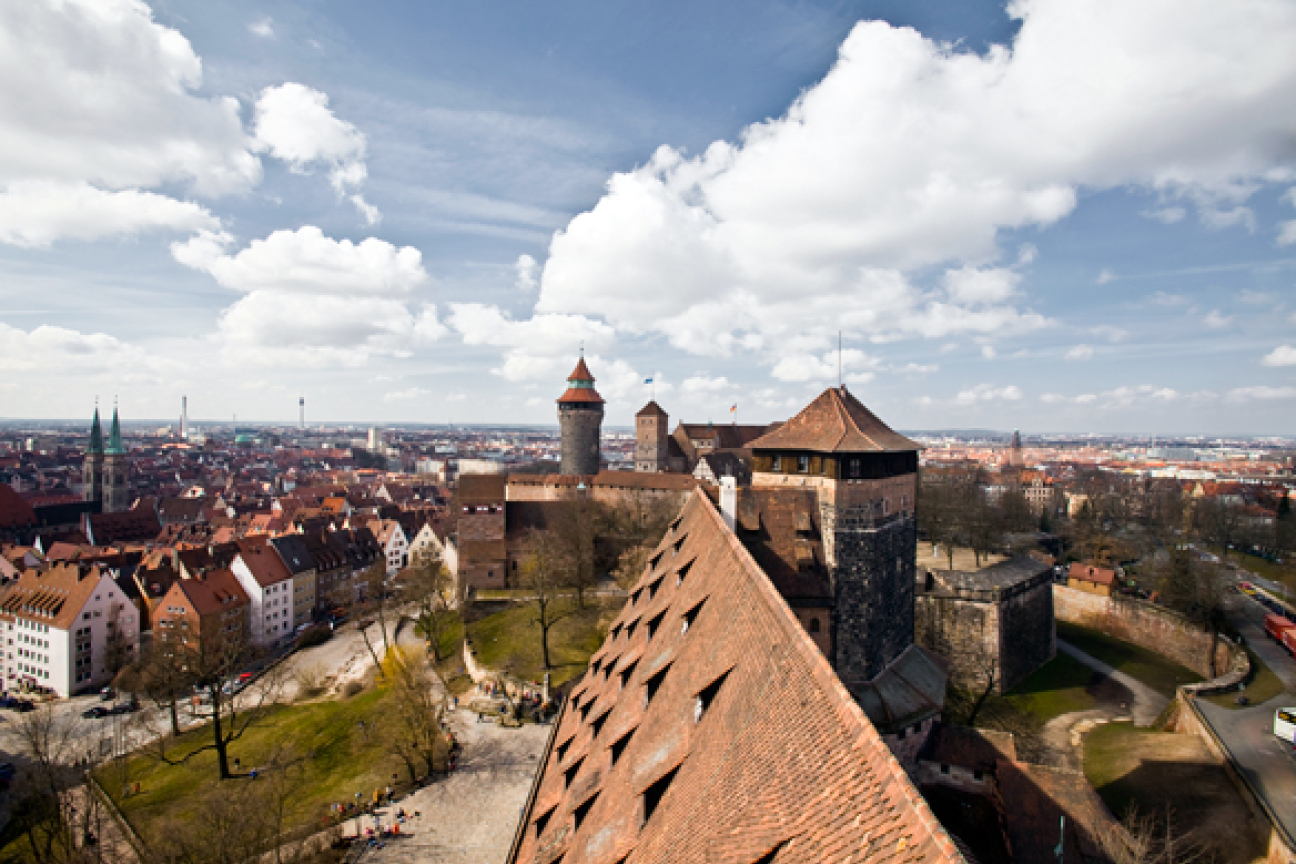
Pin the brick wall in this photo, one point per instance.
(1148, 625)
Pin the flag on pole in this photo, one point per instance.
(647, 380)
(734, 409)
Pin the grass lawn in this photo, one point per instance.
(1284, 573)
(1262, 686)
(1162, 675)
(510, 640)
(1058, 687)
(341, 757)
(1164, 775)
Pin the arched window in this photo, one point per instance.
(814, 625)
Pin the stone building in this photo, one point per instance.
(992, 625)
(580, 421)
(92, 466)
(653, 441)
(865, 479)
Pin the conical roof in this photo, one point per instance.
(835, 422)
(95, 447)
(652, 409)
(580, 386)
(115, 445)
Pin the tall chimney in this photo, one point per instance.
(184, 417)
(301, 406)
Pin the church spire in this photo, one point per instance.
(96, 446)
(115, 445)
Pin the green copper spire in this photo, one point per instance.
(115, 445)
(95, 448)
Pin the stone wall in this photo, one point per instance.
(1009, 635)
(1146, 624)
(579, 425)
(873, 619)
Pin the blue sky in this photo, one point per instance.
(1059, 216)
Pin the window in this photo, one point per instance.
(803, 464)
(619, 745)
(653, 684)
(543, 820)
(683, 571)
(655, 623)
(627, 673)
(690, 616)
(776, 463)
(706, 697)
(597, 725)
(570, 774)
(653, 795)
(814, 625)
(582, 811)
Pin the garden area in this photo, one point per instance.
(507, 638)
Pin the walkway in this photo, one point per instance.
(1148, 703)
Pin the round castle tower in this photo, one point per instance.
(580, 420)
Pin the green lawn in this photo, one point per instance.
(1284, 573)
(1152, 669)
(510, 640)
(1261, 686)
(338, 743)
(1058, 687)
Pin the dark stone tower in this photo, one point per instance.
(580, 420)
(93, 466)
(652, 439)
(866, 477)
(116, 492)
(1015, 450)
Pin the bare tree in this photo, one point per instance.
(229, 703)
(161, 673)
(544, 577)
(375, 605)
(573, 529)
(1147, 839)
(429, 587)
(415, 734)
(49, 807)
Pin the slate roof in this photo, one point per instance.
(710, 727)
(910, 689)
(835, 422)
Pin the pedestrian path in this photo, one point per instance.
(1148, 703)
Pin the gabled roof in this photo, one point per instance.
(14, 511)
(262, 562)
(835, 422)
(728, 740)
(1089, 573)
(54, 596)
(215, 591)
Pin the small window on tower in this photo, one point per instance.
(814, 625)
(776, 463)
(803, 464)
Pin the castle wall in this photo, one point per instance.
(1153, 627)
(874, 590)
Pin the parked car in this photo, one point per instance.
(107, 694)
(95, 713)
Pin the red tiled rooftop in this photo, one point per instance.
(709, 692)
(835, 422)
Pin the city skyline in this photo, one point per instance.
(1059, 217)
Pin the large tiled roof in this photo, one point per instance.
(14, 511)
(54, 596)
(711, 728)
(835, 422)
(481, 488)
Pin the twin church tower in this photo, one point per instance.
(103, 473)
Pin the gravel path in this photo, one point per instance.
(1148, 703)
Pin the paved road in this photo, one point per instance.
(1268, 763)
(1148, 703)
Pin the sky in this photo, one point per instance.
(1053, 215)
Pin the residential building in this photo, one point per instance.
(213, 606)
(269, 587)
(66, 629)
(395, 545)
(295, 554)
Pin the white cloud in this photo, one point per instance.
(305, 261)
(1217, 320)
(262, 27)
(542, 348)
(1283, 355)
(309, 297)
(1124, 397)
(95, 91)
(989, 352)
(911, 154)
(855, 366)
(58, 350)
(703, 385)
(38, 213)
(1286, 233)
(294, 123)
(1080, 352)
(988, 393)
(1105, 276)
(1163, 298)
(1244, 394)
(528, 270)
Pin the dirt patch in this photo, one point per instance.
(1175, 777)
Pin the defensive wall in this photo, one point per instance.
(1145, 624)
